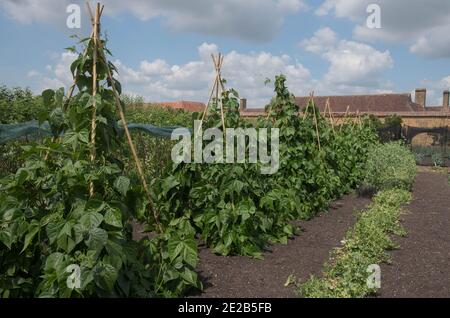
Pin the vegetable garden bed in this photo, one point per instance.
(420, 267)
(305, 254)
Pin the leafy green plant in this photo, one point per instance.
(223, 202)
(235, 209)
(390, 165)
(388, 130)
(346, 275)
(65, 209)
(155, 152)
(438, 159)
(17, 105)
(420, 158)
(318, 163)
(393, 121)
(373, 121)
(132, 102)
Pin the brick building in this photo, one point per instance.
(381, 104)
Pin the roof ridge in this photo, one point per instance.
(358, 95)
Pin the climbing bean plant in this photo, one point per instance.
(57, 239)
(237, 210)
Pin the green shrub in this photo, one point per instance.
(154, 152)
(66, 209)
(393, 121)
(346, 274)
(17, 105)
(389, 166)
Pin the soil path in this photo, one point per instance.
(421, 267)
(230, 277)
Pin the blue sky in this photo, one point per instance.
(162, 47)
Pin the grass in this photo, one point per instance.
(346, 274)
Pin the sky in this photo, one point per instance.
(163, 48)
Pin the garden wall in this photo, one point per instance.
(429, 119)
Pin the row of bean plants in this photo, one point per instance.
(238, 211)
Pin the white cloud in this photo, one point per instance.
(29, 11)
(160, 81)
(56, 75)
(354, 67)
(252, 20)
(423, 25)
(33, 73)
(292, 5)
(154, 68)
(205, 50)
(356, 63)
(323, 39)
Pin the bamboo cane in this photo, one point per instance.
(130, 140)
(316, 122)
(96, 25)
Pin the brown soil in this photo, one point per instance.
(236, 277)
(421, 267)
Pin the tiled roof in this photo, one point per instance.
(395, 103)
(435, 108)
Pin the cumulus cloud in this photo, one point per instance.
(322, 40)
(354, 66)
(251, 20)
(244, 72)
(56, 75)
(29, 11)
(158, 80)
(356, 63)
(423, 25)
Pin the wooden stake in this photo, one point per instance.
(328, 108)
(129, 139)
(72, 87)
(316, 122)
(220, 84)
(217, 89)
(311, 97)
(345, 118)
(96, 26)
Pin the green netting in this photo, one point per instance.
(32, 130)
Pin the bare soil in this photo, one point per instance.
(243, 277)
(421, 267)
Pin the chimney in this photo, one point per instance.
(445, 103)
(421, 97)
(243, 104)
